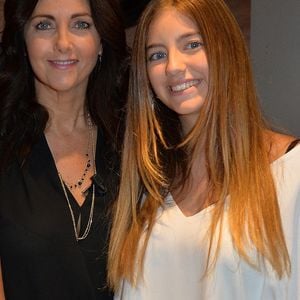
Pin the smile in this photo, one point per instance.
(64, 62)
(183, 86)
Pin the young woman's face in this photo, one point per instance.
(62, 44)
(177, 64)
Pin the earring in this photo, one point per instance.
(98, 64)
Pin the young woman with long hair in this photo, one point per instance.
(208, 206)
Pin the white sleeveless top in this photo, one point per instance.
(176, 252)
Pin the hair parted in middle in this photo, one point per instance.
(230, 126)
(22, 118)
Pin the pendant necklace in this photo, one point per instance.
(76, 228)
(79, 182)
(90, 220)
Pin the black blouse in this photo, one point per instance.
(40, 256)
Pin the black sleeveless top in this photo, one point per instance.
(40, 256)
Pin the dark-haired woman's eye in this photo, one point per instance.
(43, 25)
(82, 25)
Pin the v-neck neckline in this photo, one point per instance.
(40, 163)
(48, 153)
(171, 203)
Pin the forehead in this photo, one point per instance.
(171, 20)
(57, 7)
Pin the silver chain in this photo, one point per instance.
(90, 220)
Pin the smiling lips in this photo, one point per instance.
(184, 86)
(63, 64)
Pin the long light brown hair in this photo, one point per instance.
(231, 129)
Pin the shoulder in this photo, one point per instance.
(277, 144)
(285, 165)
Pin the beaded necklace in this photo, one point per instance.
(79, 185)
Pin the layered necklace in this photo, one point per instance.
(79, 184)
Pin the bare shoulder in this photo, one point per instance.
(277, 143)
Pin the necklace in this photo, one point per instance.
(79, 182)
(90, 219)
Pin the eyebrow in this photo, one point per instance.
(52, 17)
(182, 37)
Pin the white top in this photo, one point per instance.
(176, 252)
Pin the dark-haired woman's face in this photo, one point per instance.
(62, 44)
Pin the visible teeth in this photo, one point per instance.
(65, 62)
(183, 86)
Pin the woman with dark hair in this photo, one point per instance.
(209, 200)
(61, 94)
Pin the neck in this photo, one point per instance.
(61, 122)
(187, 123)
(67, 109)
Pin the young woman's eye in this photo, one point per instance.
(157, 56)
(194, 45)
(82, 25)
(43, 25)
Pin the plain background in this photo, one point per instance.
(275, 51)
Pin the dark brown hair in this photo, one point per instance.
(22, 118)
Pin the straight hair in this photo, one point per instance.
(231, 128)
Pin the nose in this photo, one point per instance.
(175, 62)
(63, 41)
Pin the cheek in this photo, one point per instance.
(37, 50)
(156, 78)
(89, 53)
(202, 66)
(91, 46)
(33, 48)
